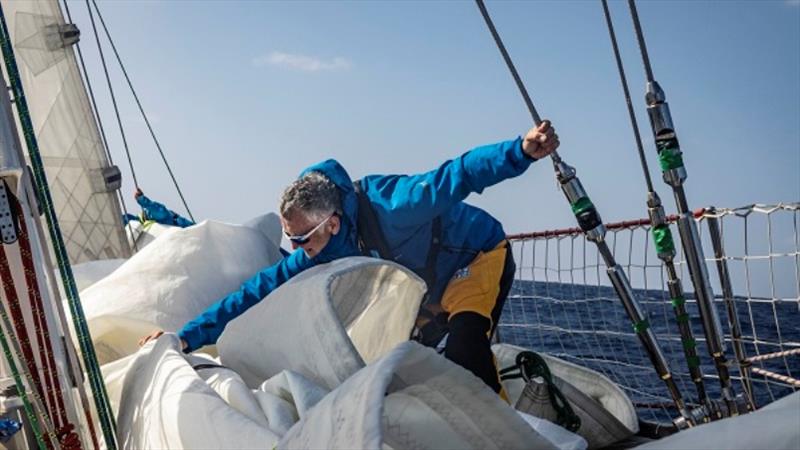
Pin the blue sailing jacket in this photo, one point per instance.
(158, 212)
(405, 206)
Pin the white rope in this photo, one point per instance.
(782, 354)
(782, 378)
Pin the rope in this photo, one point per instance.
(97, 118)
(113, 97)
(46, 201)
(53, 387)
(141, 109)
(767, 356)
(19, 322)
(531, 365)
(67, 437)
(784, 378)
(33, 420)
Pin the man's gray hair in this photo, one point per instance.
(313, 195)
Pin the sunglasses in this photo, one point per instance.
(304, 238)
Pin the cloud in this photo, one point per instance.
(793, 2)
(301, 62)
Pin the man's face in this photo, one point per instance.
(299, 224)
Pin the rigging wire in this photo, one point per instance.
(642, 46)
(113, 97)
(662, 236)
(592, 225)
(674, 174)
(141, 109)
(90, 90)
(628, 102)
(99, 121)
(536, 119)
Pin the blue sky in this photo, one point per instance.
(244, 95)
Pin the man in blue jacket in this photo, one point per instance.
(157, 212)
(419, 221)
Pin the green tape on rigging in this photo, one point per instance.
(670, 158)
(640, 327)
(581, 205)
(689, 343)
(662, 237)
(682, 318)
(693, 362)
(678, 301)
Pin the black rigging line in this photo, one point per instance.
(91, 91)
(99, 121)
(113, 97)
(624, 81)
(590, 222)
(640, 38)
(509, 63)
(141, 109)
(661, 234)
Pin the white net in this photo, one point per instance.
(562, 303)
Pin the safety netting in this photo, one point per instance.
(562, 303)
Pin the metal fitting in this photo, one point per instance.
(656, 213)
(8, 228)
(654, 94)
(564, 172)
(660, 118)
(60, 36)
(596, 234)
(573, 189)
(692, 417)
(675, 177)
(675, 288)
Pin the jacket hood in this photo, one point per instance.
(336, 173)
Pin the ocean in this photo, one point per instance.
(588, 326)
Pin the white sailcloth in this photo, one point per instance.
(72, 151)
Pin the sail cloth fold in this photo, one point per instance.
(409, 398)
(326, 322)
(82, 181)
(171, 281)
